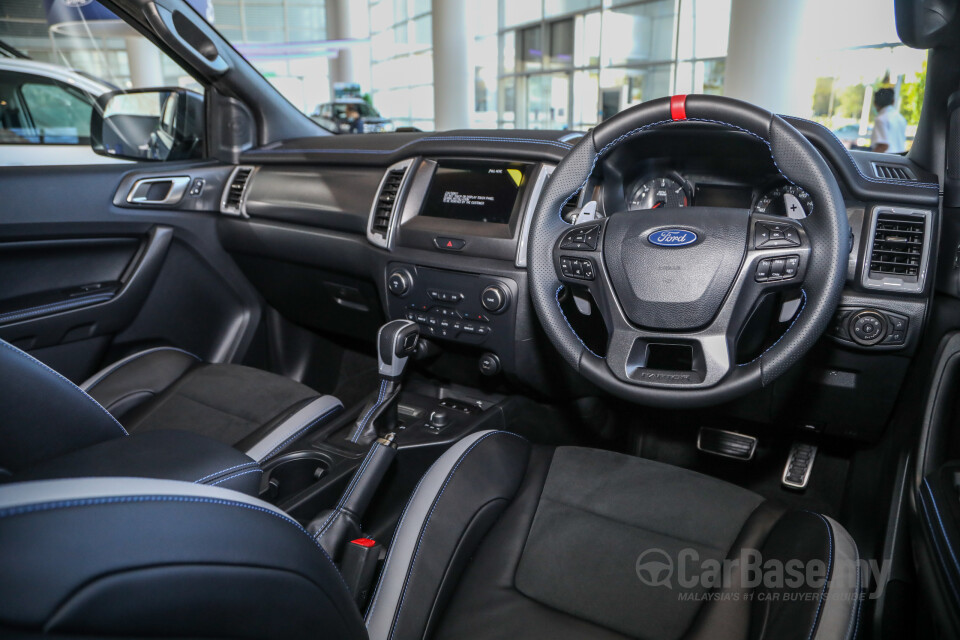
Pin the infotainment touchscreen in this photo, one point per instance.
(478, 191)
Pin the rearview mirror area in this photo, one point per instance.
(149, 124)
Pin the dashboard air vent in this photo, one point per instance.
(897, 245)
(893, 172)
(386, 203)
(386, 200)
(233, 196)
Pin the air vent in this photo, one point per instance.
(234, 195)
(893, 172)
(898, 249)
(897, 245)
(385, 205)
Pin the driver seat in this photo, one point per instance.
(499, 539)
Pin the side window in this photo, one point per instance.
(58, 59)
(58, 115)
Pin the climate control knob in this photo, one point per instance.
(399, 282)
(494, 298)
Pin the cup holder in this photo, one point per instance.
(290, 474)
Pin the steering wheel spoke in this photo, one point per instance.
(677, 288)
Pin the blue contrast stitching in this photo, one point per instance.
(892, 181)
(803, 306)
(87, 502)
(426, 522)
(54, 306)
(363, 423)
(561, 145)
(61, 377)
(386, 564)
(346, 494)
(634, 132)
(217, 473)
(823, 589)
(926, 515)
(943, 528)
(299, 433)
(565, 319)
(855, 618)
(236, 475)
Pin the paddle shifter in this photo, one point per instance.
(396, 342)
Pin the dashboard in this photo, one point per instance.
(434, 228)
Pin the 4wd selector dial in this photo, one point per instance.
(868, 327)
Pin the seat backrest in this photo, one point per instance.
(42, 414)
(133, 558)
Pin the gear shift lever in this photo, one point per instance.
(396, 342)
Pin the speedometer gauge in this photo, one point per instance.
(662, 191)
(788, 200)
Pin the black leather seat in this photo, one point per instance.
(118, 421)
(499, 540)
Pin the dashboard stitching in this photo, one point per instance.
(629, 134)
(892, 181)
(572, 330)
(561, 145)
(795, 318)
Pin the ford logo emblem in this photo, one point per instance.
(672, 238)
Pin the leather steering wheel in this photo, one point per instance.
(685, 280)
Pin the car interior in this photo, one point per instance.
(481, 384)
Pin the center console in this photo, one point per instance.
(442, 217)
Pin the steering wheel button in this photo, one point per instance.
(763, 270)
(790, 235)
(777, 265)
(791, 266)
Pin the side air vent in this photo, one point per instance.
(898, 250)
(235, 195)
(893, 172)
(386, 204)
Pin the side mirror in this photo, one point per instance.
(148, 124)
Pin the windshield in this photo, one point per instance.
(549, 64)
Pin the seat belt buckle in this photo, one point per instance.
(359, 567)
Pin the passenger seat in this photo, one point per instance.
(50, 427)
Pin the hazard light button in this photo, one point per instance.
(449, 244)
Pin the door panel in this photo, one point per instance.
(86, 278)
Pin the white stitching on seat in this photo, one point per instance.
(217, 473)
(235, 476)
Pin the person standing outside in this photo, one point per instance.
(889, 127)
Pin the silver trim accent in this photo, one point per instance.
(892, 282)
(292, 425)
(20, 494)
(806, 475)
(373, 238)
(753, 444)
(386, 597)
(907, 170)
(526, 219)
(178, 187)
(242, 209)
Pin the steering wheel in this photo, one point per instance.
(676, 286)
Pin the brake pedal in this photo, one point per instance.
(796, 473)
(728, 444)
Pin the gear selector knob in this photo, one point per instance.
(396, 341)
